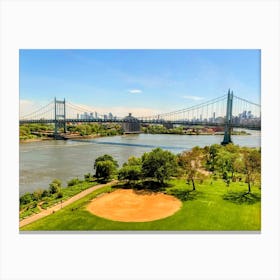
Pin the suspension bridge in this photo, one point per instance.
(228, 111)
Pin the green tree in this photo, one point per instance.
(104, 158)
(159, 164)
(227, 162)
(212, 154)
(105, 167)
(131, 170)
(132, 173)
(252, 165)
(55, 186)
(132, 161)
(191, 162)
(37, 194)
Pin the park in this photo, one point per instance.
(215, 188)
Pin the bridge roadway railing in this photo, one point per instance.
(142, 121)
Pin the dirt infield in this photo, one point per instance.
(134, 206)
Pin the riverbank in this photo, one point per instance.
(80, 137)
(66, 137)
(62, 204)
(21, 141)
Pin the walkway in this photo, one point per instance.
(46, 212)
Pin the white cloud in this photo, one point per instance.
(135, 91)
(193, 97)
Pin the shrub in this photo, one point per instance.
(59, 194)
(55, 186)
(89, 178)
(26, 198)
(45, 193)
(73, 182)
(37, 195)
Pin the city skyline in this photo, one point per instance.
(143, 82)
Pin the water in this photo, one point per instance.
(41, 162)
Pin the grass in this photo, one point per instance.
(213, 206)
(28, 212)
(51, 200)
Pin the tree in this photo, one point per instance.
(252, 165)
(55, 186)
(37, 194)
(104, 158)
(227, 162)
(159, 164)
(191, 162)
(105, 167)
(131, 170)
(212, 153)
(133, 161)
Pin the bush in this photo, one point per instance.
(26, 198)
(59, 194)
(89, 178)
(37, 195)
(55, 186)
(45, 193)
(73, 182)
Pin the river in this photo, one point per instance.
(41, 162)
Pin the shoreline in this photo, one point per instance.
(67, 138)
(57, 207)
(73, 137)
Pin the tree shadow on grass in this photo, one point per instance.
(242, 198)
(144, 187)
(184, 195)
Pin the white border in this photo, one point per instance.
(143, 24)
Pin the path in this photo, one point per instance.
(46, 212)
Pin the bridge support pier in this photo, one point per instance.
(60, 116)
(228, 121)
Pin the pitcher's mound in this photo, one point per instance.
(134, 206)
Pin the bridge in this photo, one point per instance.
(228, 111)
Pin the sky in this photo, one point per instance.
(142, 82)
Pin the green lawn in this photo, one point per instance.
(51, 200)
(211, 207)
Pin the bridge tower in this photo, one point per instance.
(59, 116)
(228, 120)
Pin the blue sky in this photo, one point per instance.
(137, 81)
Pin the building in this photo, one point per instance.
(131, 125)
